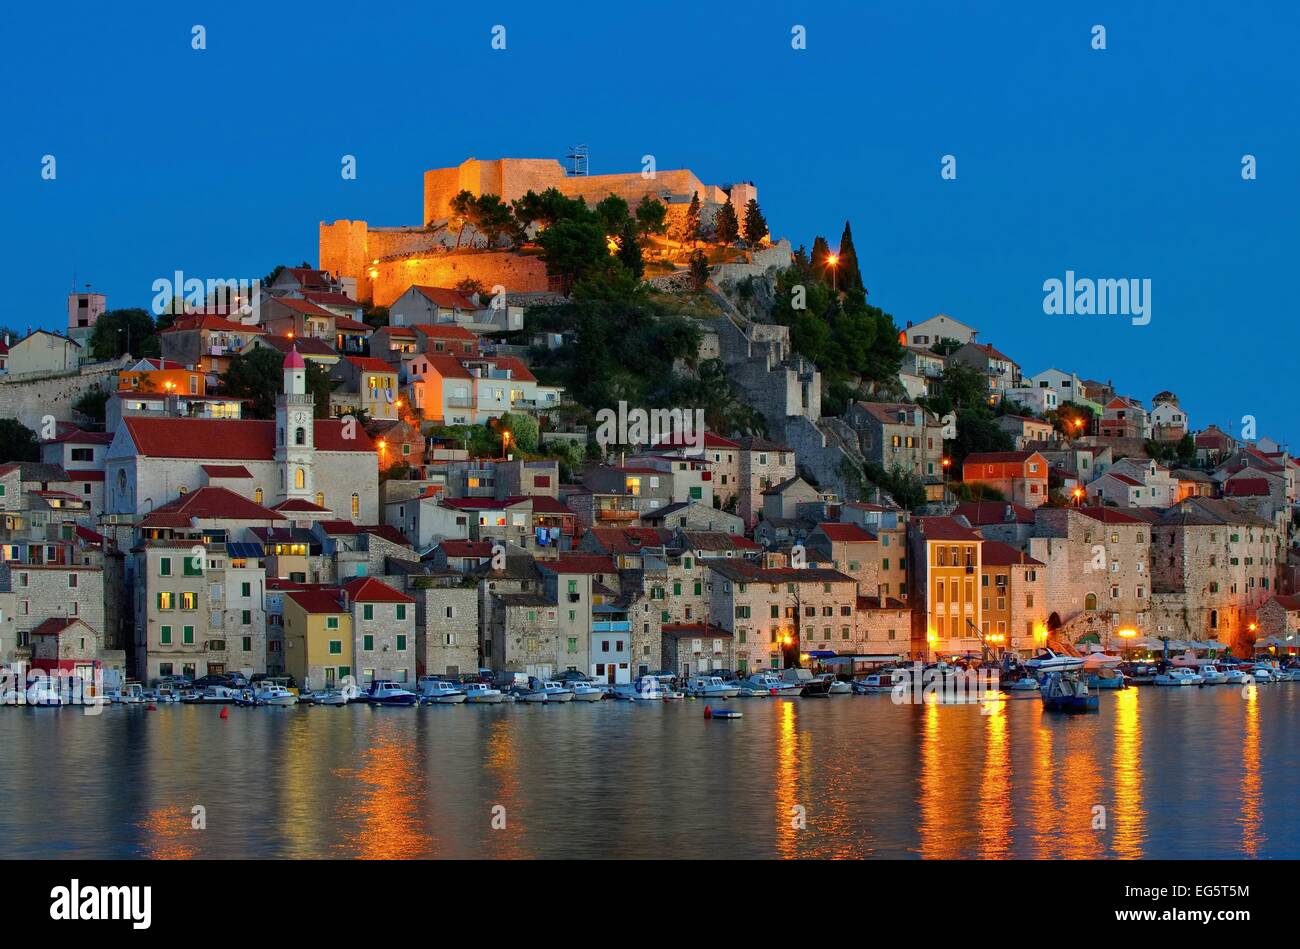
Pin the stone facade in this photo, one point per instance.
(446, 629)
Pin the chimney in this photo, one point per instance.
(1008, 515)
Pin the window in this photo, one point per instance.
(331, 622)
(165, 635)
(401, 611)
(189, 601)
(401, 642)
(368, 643)
(187, 635)
(300, 437)
(257, 496)
(166, 600)
(367, 612)
(320, 499)
(356, 505)
(165, 567)
(246, 618)
(299, 478)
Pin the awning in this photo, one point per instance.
(821, 653)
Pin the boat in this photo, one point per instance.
(1290, 674)
(1106, 678)
(1066, 691)
(44, 693)
(1140, 673)
(332, 697)
(643, 689)
(216, 695)
(435, 691)
(586, 692)
(774, 686)
(268, 693)
(878, 682)
(1049, 661)
(837, 686)
(556, 692)
(1178, 676)
(1210, 675)
(1027, 684)
(710, 687)
(383, 692)
(723, 713)
(1233, 675)
(480, 693)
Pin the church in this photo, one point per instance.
(319, 469)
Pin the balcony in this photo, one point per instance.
(613, 514)
(612, 626)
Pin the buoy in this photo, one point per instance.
(708, 711)
(151, 707)
(225, 712)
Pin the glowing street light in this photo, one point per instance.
(832, 261)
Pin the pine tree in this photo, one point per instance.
(850, 277)
(755, 223)
(820, 251)
(726, 226)
(692, 226)
(629, 250)
(699, 270)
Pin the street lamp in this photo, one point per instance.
(505, 443)
(1078, 497)
(832, 261)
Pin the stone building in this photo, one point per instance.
(881, 628)
(760, 465)
(899, 435)
(1013, 601)
(691, 649)
(943, 573)
(383, 630)
(446, 626)
(522, 635)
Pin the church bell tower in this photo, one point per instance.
(294, 431)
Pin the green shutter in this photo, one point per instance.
(165, 635)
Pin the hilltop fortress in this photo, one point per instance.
(385, 261)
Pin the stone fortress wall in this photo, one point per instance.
(386, 261)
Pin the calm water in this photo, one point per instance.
(1180, 772)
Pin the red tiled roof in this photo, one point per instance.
(997, 457)
(208, 503)
(629, 540)
(226, 471)
(944, 528)
(997, 554)
(306, 345)
(316, 601)
(1245, 487)
(511, 364)
(1123, 479)
(850, 533)
(984, 513)
(710, 441)
(329, 298)
(230, 439)
(441, 296)
(542, 504)
(1109, 515)
(579, 563)
(78, 475)
(466, 548)
(370, 364)
(444, 331)
(1288, 602)
(210, 322)
(447, 366)
(306, 307)
(297, 504)
(54, 625)
(370, 590)
(76, 436)
(350, 325)
(305, 274)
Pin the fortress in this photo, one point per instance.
(385, 261)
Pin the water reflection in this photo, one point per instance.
(995, 788)
(386, 805)
(501, 762)
(168, 833)
(1251, 795)
(1127, 815)
(788, 817)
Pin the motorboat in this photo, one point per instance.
(217, 695)
(384, 692)
(586, 692)
(1107, 678)
(1290, 674)
(480, 693)
(877, 682)
(435, 691)
(723, 713)
(1179, 676)
(710, 687)
(44, 693)
(1066, 691)
(556, 692)
(1026, 684)
(643, 689)
(1210, 675)
(332, 697)
(743, 690)
(773, 685)
(1049, 661)
(268, 693)
(1140, 673)
(1234, 675)
(837, 686)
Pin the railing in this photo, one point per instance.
(612, 626)
(610, 514)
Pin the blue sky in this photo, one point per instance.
(1117, 163)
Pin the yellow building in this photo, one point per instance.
(945, 572)
(1013, 594)
(317, 639)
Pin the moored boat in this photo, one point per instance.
(643, 689)
(1066, 691)
(1178, 676)
(435, 691)
(384, 692)
(480, 693)
(710, 687)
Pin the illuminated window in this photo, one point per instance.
(299, 478)
(257, 495)
(356, 505)
(320, 499)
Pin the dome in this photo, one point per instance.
(294, 360)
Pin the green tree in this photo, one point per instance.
(93, 404)
(523, 428)
(850, 277)
(755, 223)
(699, 268)
(726, 227)
(117, 330)
(650, 216)
(574, 249)
(257, 375)
(546, 208)
(629, 250)
(319, 384)
(691, 227)
(613, 213)
(821, 252)
(18, 442)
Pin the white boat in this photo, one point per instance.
(329, 697)
(1234, 676)
(1027, 684)
(435, 691)
(218, 695)
(1210, 675)
(644, 689)
(1178, 676)
(480, 693)
(556, 692)
(43, 693)
(878, 682)
(837, 686)
(1288, 675)
(384, 692)
(710, 687)
(586, 692)
(744, 691)
(268, 693)
(1049, 661)
(772, 684)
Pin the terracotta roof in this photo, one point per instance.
(207, 503)
(1109, 515)
(710, 441)
(447, 366)
(54, 625)
(718, 540)
(944, 528)
(293, 359)
(305, 345)
(997, 457)
(1287, 601)
(630, 540)
(77, 437)
(850, 533)
(349, 325)
(306, 307)
(444, 331)
(466, 548)
(230, 439)
(1245, 487)
(305, 274)
(330, 298)
(371, 364)
(988, 350)
(316, 601)
(997, 554)
(443, 297)
(1123, 479)
(84, 475)
(985, 513)
(579, 563)
(211, 322)
(297, 504)
(370, 590)
(226, 471)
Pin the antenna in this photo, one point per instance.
(578, 156)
